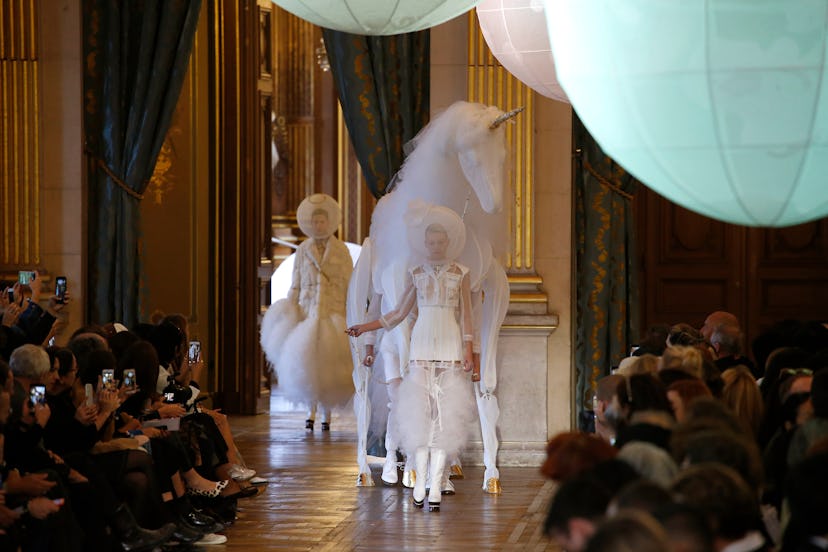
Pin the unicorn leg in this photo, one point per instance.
(489, 412)
(389, 469)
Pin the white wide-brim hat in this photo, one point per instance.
(421, 215)
(312, 203)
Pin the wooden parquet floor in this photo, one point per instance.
(312, 503)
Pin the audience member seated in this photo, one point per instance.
(605, 391)
(727, 344)
(629, 531)
(742, 396)
(569, 454)
(681, 393)
(806, 493)
(644, 412)
(816, 428)
(731, 507)
(581, 502)
(681, 357)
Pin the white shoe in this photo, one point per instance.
(211, 538)
(256, 480)
(240, 473)
(389, 469)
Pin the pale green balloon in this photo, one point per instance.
(377, 17)
(719, 105)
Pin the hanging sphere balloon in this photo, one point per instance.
(376, 17)
(719, 106)
(516, 33)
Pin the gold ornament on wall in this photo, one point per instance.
(162, 181)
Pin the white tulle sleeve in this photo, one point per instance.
(466, 323)
(409, 299)
(374, 312)
(296, 282)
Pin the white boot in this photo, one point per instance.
(435, 471)
(389, 469)
(447, 486)
(409, 473)
(421, 461)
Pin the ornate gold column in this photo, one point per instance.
(19, 134)
(490, 83)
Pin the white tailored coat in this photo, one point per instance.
(303, 335)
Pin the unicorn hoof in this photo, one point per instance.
(493, 486)
(456, 472)
(409, 478)
(364, 480)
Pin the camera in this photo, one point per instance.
(37, 394)
(178, 394)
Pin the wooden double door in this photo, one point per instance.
(691, 265)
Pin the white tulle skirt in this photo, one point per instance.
(311, 356)
(435, 408)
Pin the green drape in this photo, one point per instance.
(383, 86)
(607, 294)
(136, 54)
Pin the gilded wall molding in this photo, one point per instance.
(20, 119)
(490, 83)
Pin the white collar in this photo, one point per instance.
(752, 540)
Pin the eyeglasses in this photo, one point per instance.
(797, 372)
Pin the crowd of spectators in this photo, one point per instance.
(697, 448)
(105, 444)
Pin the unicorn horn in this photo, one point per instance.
(505, 117)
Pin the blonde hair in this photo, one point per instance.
(742, 396)
(686, 359)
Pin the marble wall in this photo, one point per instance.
(535, 367)
(62, 208)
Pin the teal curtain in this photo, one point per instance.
(383, 86)
(607, 292)
(136, 54)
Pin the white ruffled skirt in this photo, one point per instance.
(436, 407)
(311, 356)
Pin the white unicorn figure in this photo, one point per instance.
(458, 160)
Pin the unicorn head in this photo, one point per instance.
(461, 143)
(481, 152)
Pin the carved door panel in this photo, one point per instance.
(690, 265)
(789, 274)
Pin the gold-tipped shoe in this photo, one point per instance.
(493, 486)
(409, 478)
(456, 472)
(364, 480)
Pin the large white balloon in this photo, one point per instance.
(719, 106)
(516, 33)
(377, 17)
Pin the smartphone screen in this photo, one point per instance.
(25, 277)
(129, 378)
(195, 351)
(90, 394)
(60, 287)
(108, 378)
(37, 394)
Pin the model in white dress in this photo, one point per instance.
(435, 407)
(301, 335)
